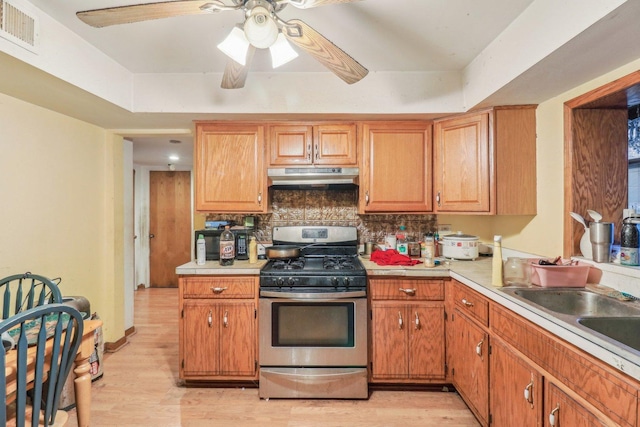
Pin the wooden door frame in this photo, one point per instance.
(618, 94)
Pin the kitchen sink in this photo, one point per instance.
(576, 302)
(621, 329)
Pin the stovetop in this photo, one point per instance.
(330, 263)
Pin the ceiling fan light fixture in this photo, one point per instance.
(260, 28)
(235, 46)
(281, 52)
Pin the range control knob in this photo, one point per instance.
(334, 281)
(291, 281)
(347, 282)
(279, 281)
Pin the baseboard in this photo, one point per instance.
(131, 331)
(112, 347)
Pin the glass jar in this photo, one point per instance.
(516, 271)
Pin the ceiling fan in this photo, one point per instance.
(262, 28)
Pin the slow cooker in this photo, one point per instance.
(460, 246)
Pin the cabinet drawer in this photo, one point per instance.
(221, 288)
(471, 303)
(406, 289)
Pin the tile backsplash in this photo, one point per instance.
(331, 207)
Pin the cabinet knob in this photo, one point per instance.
(225, 319)
(552, 415)
(479, 348)
(218, 290)
(400, 321)
(210, 318)
(408, 291)
(417, 321)
(466, 303)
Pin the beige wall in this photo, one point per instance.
(60, 180)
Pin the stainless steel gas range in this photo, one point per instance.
(313, 317)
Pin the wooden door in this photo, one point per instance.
(516, 389)
(290, 145)
(229, 167)
(469, 363)
(335, 144)
(566, 412)
(169, 226)
(426, 340)
(461, 164)
(389, 355)
(237, 322)
(200, 338)
(396, 173)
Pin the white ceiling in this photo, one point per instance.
(404, 42)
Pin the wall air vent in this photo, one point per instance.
(18, 26)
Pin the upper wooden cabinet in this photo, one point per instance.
(328, 144)
(396, 167)
(485, 162)
(229, 167)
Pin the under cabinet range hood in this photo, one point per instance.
(301, 177)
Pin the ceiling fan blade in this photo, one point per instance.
(327, 53)
(141, 12)
(306, 4)
(235, 74)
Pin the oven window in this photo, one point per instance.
(300, 324)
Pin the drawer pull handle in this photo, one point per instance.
(417, 321)
(210, 318)
(317, 152)
(366, 198)
(552, 415)
(528, 394)
(479, 348)
(438, 199)
(309, 152)
(225, 319)
(400, 321)
(467, 303)
(219, 290)
(408, 291)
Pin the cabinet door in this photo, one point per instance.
(562, 411)
(516, 389)
(426, 340)
(290, 145)
(462, 180)
(335, 144)
(237, 322)
(469, 363)
(396, 167)
(389, 357)
(229, 168)
(201, 338)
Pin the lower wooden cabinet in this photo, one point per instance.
(218, 328)
(516, 389)
(409, 341)
(563, 411)
(407, 330)
(468, 363)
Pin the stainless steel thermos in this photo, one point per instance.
(601, 236)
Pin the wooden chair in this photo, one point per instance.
(24, 291)
(36, 370)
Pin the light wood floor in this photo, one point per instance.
(140, 388)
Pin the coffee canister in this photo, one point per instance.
(629, 242)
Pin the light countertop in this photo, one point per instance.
(477, 275)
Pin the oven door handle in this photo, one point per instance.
(313, 295)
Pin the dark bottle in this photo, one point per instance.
(629, 242)
(227, 247)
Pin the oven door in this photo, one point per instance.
(313, 330)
